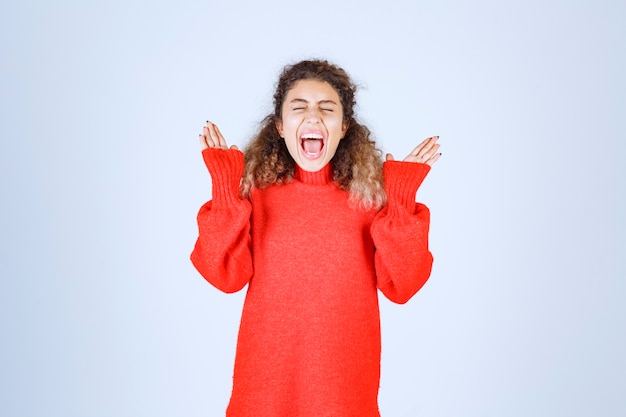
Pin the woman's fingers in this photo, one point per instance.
(429, 147)
(203, 143)
(426, 152)
(206, 134)
(221, 142)
(211, 137)
(419, 147)
(433, 158)
(425, 146)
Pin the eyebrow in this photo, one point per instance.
(301, 100)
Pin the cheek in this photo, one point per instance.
(290, 124)
(336, 124)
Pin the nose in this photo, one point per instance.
(313, 116)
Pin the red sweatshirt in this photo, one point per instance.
(309, 340)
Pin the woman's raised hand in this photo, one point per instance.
(211, 137)
(425, 152)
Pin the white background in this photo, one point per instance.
(101, 312)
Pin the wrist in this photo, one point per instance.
(402, 180)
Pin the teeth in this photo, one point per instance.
(312, 136)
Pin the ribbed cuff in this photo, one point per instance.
(226, 169)
(402, 179)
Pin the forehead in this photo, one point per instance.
(312, 90)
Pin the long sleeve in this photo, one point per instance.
(400, 233)
(222, 253)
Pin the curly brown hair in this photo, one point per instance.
(357, 163)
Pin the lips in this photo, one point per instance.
(312, 143)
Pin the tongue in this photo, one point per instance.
(312, 146)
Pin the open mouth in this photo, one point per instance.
(312, 144)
